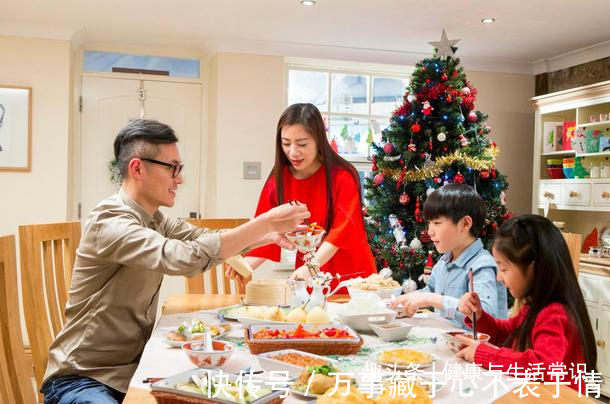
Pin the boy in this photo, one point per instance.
(455, 214)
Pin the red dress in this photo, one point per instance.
(555, 339)
(353, 257)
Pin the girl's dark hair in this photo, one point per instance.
(309, 116)
(455, 201)
(534, 240)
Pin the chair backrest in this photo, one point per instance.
(217, 282)
(47, 255)
(15, 383)
(574, 244)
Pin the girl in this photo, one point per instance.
(553, 326)
(307, 170)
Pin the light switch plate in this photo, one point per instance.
(252, 170)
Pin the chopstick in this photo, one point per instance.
(152, 379)
(474, 317)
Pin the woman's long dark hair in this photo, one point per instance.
(309, 116)
(533, 240)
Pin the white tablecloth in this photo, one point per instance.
(160, 360)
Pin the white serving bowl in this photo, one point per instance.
(394, 331)
(456, 345)
(364, 322)
(382, 293)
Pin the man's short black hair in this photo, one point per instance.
(140, 138)
(455, 201)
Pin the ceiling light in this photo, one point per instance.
(488, 20)
(308, 3)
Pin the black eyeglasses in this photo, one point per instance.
(177, 168)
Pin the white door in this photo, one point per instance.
(108, 105)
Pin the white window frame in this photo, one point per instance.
(369, 70)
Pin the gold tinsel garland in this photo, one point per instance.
(485, 162)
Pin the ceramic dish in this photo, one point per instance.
(363, 322)
(394, 331)
(269, 362)
(192, 337)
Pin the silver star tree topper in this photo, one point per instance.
(443, 47)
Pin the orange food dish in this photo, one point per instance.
(299, 360)
(300, 332)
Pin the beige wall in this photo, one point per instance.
(506, 99)
(246, 97)
(39, 196)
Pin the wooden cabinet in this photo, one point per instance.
(596, 291)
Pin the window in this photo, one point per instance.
(356, 106)
(94, 61)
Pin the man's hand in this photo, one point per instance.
(286, 217)
(230, 273)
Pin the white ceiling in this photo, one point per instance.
(526, 32)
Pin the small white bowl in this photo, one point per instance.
(394, 331)
(221, 354)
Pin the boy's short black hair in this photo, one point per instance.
(455, 201)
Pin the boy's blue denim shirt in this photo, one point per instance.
(450, 279)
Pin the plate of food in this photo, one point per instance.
(375, 283)
(405, 358)
(201, 385)
(319, 379)
(193, 331)
(292, 361)
(250, 314)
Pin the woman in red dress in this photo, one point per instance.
(308, 170)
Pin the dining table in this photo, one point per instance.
(159, 360)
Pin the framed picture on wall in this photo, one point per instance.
(15, 128)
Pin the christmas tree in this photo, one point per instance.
(434, 137)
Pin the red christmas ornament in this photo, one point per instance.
(374, 165)
(437, 180)
(449, 99)
(418, 217)
(494, 225)
(422, 155)
(463, 140)
(429, 261)
(472, 117)
(415, 128)
(404, 199)
(458, 178)
(379, 178)
(424, 237)
(427, 81)
(444, 77)
(493, 173)
(484, 174)
(426, 108)
(430, 144)
(403, 172)
(455, 74)
(388, 148)
(445, 148)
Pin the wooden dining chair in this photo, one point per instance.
(573, 240)
(217, 283)
(15, 383)
(47, 254)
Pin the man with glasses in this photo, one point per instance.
(127, 247)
